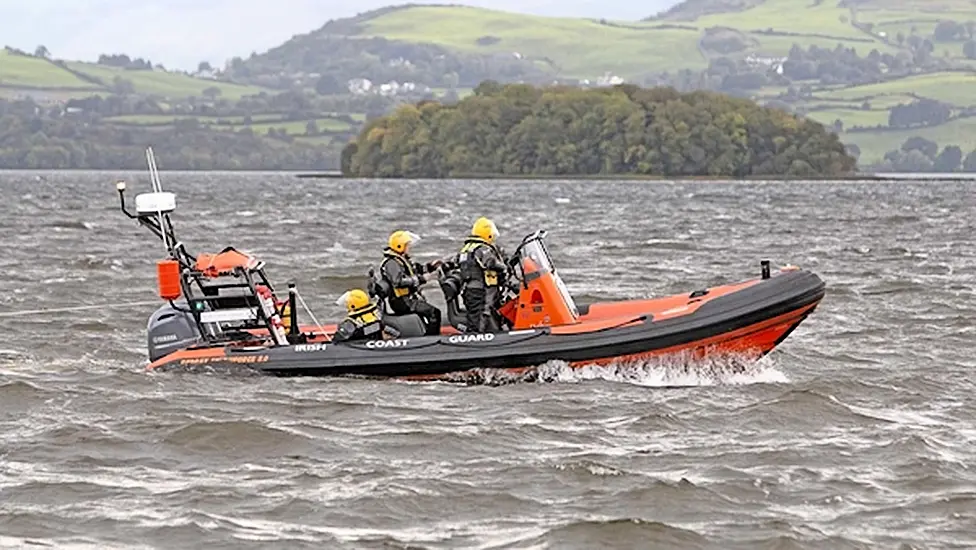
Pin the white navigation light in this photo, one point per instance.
(120, 185)
(153, 203)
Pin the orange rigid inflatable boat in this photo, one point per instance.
(222, 311)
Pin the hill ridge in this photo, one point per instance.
(874, 72)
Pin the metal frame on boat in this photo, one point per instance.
(228, 295)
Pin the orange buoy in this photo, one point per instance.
(168, 279)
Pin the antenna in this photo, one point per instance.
(153, 171)
(158, 188)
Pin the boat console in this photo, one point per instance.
(534, 296)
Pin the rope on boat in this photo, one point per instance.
(318, 325)
(75, 308)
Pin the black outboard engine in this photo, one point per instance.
(169, 330)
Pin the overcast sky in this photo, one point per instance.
(180, 33)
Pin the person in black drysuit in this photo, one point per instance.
(483, 272)
(404, 278)
(362, 320)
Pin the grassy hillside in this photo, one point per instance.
(575, 48)
(954, 88)
(52, 79)
(166, 84)
(582, 48)
(847, 105)
(868, 106)
(679, 39)
(960, 132)
(446, 47)
(18, 71)
(823, 20)
(204, 123)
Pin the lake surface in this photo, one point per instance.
(858, 432)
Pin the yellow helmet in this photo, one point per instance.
(485, 229)
(354, 300)
(400, 240)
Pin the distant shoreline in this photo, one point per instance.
(865, 177)
(967, 176)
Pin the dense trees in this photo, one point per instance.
(123, 61)
(924, 112)
(951, 31)
(520, 129)
(32, 137)
(918, 154)
(842, 65)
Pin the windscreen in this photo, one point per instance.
(536, 251)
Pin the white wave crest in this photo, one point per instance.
(670, 371)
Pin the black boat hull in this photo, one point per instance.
(751, 319)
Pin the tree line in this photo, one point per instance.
(918, 154)
(35, 138)
(520, 129)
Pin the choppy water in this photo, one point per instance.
(859, 432)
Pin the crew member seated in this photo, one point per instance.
(362, 320)
(483, 272)
(404, 277)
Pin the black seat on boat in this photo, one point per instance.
(409, 325)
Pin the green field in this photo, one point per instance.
(887, 11)
(886, 101)
(875, 144)
(955, 88)
(845, 104)
(298, 127)
(850, 117)
(580, 48)
(172, 85)
(46, 95)
(583, 48)
(35, 72)
(792, 16)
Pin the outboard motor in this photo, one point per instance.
(169, 330)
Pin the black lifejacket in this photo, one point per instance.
(472, 272)
(391, 255)
(364, 324)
